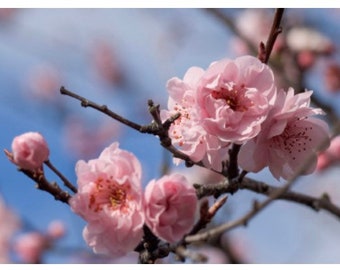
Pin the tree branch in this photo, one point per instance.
(43, 184)
(66, 182)
(102, 108)
(274, 32)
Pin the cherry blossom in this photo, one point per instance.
(234, 97)
(307, 39)
(31, 246)
(9, 224)
(56, 229)
(29, 151)
(109, 198)
(170, 207)
(187, 132)
(288, 136)
(330, 156)
(332, 77)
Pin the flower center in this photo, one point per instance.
(233, 96)
(107, 193)
(117, 197)
(293, 140)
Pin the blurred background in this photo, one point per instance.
(122, 58)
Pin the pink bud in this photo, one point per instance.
(30, 247)
(170, 207)
(56, 229)
(30, 150)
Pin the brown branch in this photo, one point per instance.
(274, 32)
(232, 168)
(66, 182)
(322, 203)
(43, 184)
(102, 108)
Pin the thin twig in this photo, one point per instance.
(102, 108)
(274, 32)
(66, 182)
(316, 204)
(43, 184)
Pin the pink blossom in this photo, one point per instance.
(109, 198)
(308, 39)
(30, 247)
(42, 81)
(187, 132)
(170, 206)
(332, 77)
(56, 229)
(330, 156)
(234, 97)
(82, 139)
(289, 136)
(29, 151)
(105, 62)
(9, 224)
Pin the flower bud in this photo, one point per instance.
(29, 151)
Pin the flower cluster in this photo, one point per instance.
(233, 102)
(111, 200)
(237, 102)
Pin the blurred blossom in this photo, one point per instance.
(241, 247)
(170, 207)
(199, 175)
(92, 258)
(254, 24)
(307, 39)
(9, 224)
(84, 139)
(56, 229)
(106, 63)
(30, 247)
(213, 254)
(331, 156)
(7, 14)
(332, 77)
(44, 82)
(306, 59)
(29, 151)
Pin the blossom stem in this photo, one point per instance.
(66, 182)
